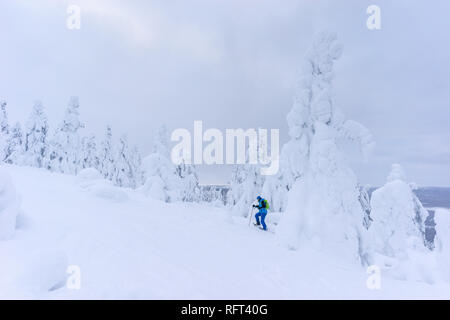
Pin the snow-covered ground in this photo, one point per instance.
(129, 246)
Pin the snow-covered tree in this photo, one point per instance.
(245, 185)
(364, 200)
(107, 152)
(4, 130)
(4, 125)
(127, 168)
(275, 187)
(136, 164)
(35, 141)
(65, 147)
(216, 194)
(161, 179)
(90, 157)
(323, 205)
(398, 217)
(190, 190)
(275, 190)
(14, 145)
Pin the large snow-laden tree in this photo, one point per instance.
(323, 206)
(161, 179)
(65, 147)
(398, 217)
(14, 146)
(36, 135)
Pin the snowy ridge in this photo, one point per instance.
(143, 248)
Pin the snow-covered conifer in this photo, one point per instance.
(35, 140)
(4, 125)
(106, 153)
(90, 157)
(190, 190)
(398, 217)
(65, 147)
(323, 204)
(245, 185)
(161, 179)
(126, 170)
(364, 200)
(14, 145)
(136, 165)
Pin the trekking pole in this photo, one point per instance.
(250, 216)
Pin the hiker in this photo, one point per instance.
(262, 206)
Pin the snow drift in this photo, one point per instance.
(9, 206)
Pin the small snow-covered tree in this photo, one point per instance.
(4, 125)
(323, 205)
(107, 152)
(161, 179)
(35, 140)
(245, 185)
(65, 147)
(136, 165)
(90, 157)
(4, 130)
(190, 190)
(275, 190)
(127, 169)
(398, 217)
(14, 145)
(399, 242)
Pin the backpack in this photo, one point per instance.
(266, 204)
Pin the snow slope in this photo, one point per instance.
(131, 247)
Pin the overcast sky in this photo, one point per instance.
(136, 64)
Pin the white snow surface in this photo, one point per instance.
(142, 248)
(9, 206)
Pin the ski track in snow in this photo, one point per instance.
(145, 249)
